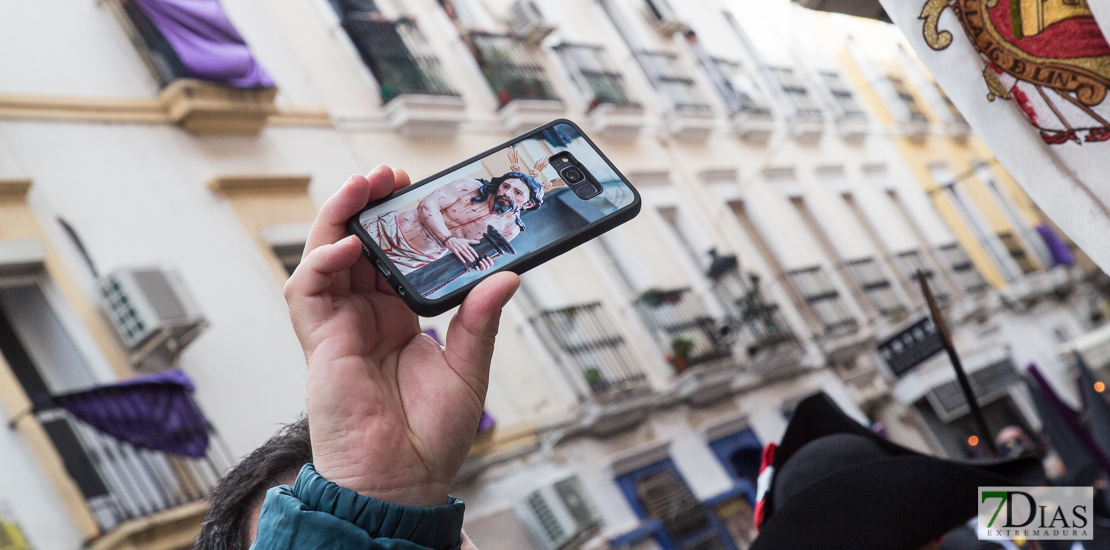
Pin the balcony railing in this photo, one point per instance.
(736, 87)
(910, 262)
(398, 56)
(913, 108)
(847, 106)
(121, 481)
(963, 271)
(764, 322)
(797, 93)
(511, 66)
(595, 75)
(871, 279)
(591, 351)
(817, 290)
(686, 328)
(1017, 252)
(676, 86)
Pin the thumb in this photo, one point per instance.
(472, 331)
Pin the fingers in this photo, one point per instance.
(472, 331)
(314, 274)
(330, 224)
(485, 264)
(400, 179)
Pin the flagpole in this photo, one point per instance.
(961, 376)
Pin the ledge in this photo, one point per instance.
(617, 122)
(129, 110)
(691, 125)
(259, 185)
(521, 115)
(169, 530)
(14, 190)
(426, 117)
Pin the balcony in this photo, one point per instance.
(419, 102)
(807, 120)
(841, 337)
(963, 271)
(517, 77)
(747, 108)
(613, 114)
(771, 344)
(911, 262)
(870, 278)
(134, 491)
(851, 122)
(688, 116)
(201, 104)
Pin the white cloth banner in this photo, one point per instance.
(1031, 77)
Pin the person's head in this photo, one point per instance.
(232, 518)
(514, 192)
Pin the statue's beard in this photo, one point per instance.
(502, 205)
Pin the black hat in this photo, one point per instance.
(833, 484)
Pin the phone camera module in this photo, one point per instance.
(572, 175)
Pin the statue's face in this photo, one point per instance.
(512, 196)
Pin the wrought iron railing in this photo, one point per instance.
(686, 329)
(911, 262)
(121, 481)
(674, 83)
(963, 271)
(736, 87)
(909, 101)
(796, 92)
(818, 291)
(875, 285)
(763, 321)
(594, 74)
(591, 351)
(847, 106)
(511, 66)
(1017, 252)
(398, 56)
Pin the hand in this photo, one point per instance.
(462, 248)
(484, 264)
(392, 414)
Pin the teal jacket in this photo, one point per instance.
(317, 514)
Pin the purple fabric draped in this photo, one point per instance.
(1070, 418)
(206, 41)
(1056, 246)
(152, 411)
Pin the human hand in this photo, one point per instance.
(484, 263)
(392, 414)
(462, 248)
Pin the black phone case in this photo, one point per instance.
(429, 307)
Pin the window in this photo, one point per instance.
(740, 453)
(594, 74)
(676, 86)
(686, 331)
(817, 290)
(592, 352)
(736, 87)
(289, 255)
(396, 53)
(963, 271)
(511, 67)
(1017, 252)
(870, 278)
(957, 117)
(908, 99)
(659, 492)
(797, 94)
(845, 100)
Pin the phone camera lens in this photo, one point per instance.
(573, 175)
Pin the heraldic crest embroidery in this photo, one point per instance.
(1047, 56)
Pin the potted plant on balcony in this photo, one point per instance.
(594, 380)
(681, 346)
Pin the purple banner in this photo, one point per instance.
(153, 411)
(206, 41)
(1056, 246)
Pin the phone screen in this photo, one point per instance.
(466, 224)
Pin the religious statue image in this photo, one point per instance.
(461, 226)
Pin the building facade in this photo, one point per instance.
(797, 170)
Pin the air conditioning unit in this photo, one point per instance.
(662, 17)
(527, 21)
(154, 315)
(560, 514)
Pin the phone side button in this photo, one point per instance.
(400, 290)
(381, 267)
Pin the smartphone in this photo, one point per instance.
(511, 208)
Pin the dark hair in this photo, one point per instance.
(489, 189)
(244, 486)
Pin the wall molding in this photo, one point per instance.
(259, 184)
(129, 110)
(14, 190)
